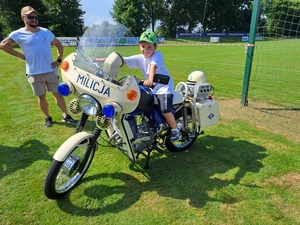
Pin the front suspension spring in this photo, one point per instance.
(81, 123)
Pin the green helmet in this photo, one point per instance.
(148, 36)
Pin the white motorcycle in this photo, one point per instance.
(123, 109)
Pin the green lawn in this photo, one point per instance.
(237, 173)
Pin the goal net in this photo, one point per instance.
(275, 76)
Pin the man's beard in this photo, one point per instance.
(32, 25)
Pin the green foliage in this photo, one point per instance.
(184, 16)
(64, 18)
(132, 14)
(279, 17)
(181, 14)
(10, 17)
(228, 15)
(154, 12)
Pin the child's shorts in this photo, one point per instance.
(165, 102)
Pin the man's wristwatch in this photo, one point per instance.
(58, 60)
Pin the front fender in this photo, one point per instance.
(67, 147)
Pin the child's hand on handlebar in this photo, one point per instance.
(148, 83)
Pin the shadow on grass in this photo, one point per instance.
(211, 164)
(101, 198)
(17, 158)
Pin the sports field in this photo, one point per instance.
(246, 170)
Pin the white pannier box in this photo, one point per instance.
(206, 113)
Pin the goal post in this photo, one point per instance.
(250, 51)
(272, 68)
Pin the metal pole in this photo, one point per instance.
(250, 50)
(202, 23)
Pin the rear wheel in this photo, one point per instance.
(188, 133)
(63, 176)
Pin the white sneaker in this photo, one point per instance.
(175, 135)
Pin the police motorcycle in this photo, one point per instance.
(123, 110)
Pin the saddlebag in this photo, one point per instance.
(206, 113)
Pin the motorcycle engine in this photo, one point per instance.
(143, 131)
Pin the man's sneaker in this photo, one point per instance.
(175, 135)
(48, 122)
(68, 119)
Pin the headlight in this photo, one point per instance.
(89, 105)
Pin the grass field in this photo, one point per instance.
(246, 170)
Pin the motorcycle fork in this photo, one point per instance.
(91, 146)
(81, 123)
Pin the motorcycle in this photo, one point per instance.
(123, 109)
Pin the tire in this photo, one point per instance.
(63, 176)
(188, 134)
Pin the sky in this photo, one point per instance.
(96, 10)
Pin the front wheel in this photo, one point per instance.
(64, 175)
(188, 133)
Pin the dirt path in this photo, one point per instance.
(264, 117)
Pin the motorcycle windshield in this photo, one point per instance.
(98, 41)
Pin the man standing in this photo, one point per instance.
(41, 70)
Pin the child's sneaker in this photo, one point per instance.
(48, 122)
(175, 135)
(67, 119)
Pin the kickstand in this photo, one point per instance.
(147, 156)
(148, 159)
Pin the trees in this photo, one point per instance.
(181, 15)
(177, 15)
(63, 17)
(132, 14)
(138, 15)
(10, 18)
(154, 10)
(228, 15)
(281, 17)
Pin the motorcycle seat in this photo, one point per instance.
(177, 98)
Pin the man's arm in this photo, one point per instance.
(60, 48)
(6, 45)
(60, 52)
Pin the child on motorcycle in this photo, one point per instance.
(151, 62)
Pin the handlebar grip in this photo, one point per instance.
(142, 83)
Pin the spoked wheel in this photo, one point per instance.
(188, 134)
(63, 176)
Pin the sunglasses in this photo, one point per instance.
(32, 17)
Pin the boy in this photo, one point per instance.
(151, 62)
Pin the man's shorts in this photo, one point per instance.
(41, 83)
(165, 102)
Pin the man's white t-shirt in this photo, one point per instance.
(36, 48)
(142, 63)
